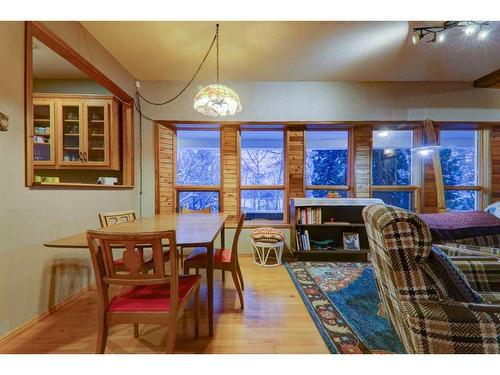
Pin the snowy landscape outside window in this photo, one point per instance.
(262, 174)
(392, 167)
(459, 163)
(326, 165)
(198, 169)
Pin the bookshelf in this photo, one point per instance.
(319, 224)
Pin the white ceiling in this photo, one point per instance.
(49, 65)
(296, 51)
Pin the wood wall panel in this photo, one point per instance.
(495, 164)
(296, 163)
(230, 172)
(362, 161)
(165, 165)
(428, 203)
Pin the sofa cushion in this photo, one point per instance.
(451, 278)
(471, 228)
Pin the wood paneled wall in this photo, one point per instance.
(362, 154)
(230, 159)
(296, 144)
(495, 164)
(165, 156)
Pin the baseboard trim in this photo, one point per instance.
(38, 318)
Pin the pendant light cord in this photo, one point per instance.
(215, 39)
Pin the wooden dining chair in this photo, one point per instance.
(145, 297)
(113, 218)
(224, 259)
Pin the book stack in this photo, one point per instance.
(309, 215)
(302, 240)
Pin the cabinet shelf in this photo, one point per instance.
(41, 135)
(71, 148)
(97, 135)
(42, 143)
(41, 119)
(71, 135)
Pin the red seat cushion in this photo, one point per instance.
(199, 255)
(150, 298)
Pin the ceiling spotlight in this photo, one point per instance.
(470, 30)
(483, 34)
(441, 37)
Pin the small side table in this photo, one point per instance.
(265, 242)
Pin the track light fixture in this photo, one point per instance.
(438, 33)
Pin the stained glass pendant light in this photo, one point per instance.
(216, 99)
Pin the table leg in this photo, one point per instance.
(210, 288)
(223, 236)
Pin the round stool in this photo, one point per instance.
(266, 241)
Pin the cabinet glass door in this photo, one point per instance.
(43, 135)
(71, 133)
(97, 134)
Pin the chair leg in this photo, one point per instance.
(182, 257)
(186, 271)
(197, 271)
(136, 330)
(102, 333)
(223, 276)
(238, 269)
(197, 312)
(172, 330)
(238, 287)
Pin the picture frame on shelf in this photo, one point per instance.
(351, 241)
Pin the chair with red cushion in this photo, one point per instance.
(224, 259)
(148, 295)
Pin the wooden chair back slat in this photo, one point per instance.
(112, 218)
(102, 245)
(234, 248)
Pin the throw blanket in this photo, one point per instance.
(472, 228)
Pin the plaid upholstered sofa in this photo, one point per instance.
(434, 305)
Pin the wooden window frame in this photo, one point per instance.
(350, 164)
(283, 187)
(482, 167)
(197, 188)
(415, 173)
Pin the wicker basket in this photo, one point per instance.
(4, 122)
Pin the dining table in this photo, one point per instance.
(191, 230)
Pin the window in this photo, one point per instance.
(392, 166)
(326, 165)
(262, 174)
(459, 163)
(198, 169)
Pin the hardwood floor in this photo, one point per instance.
(275, 320)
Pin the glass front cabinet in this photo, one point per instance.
(74, 133)
(43, 132)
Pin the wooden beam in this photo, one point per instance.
(51, 40)
(489, 80)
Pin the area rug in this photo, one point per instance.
(343, 302)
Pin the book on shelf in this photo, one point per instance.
(302, 240)
(309, 215)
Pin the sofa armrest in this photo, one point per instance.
(452, 327)
(482, 276)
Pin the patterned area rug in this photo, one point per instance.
(343, 301)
